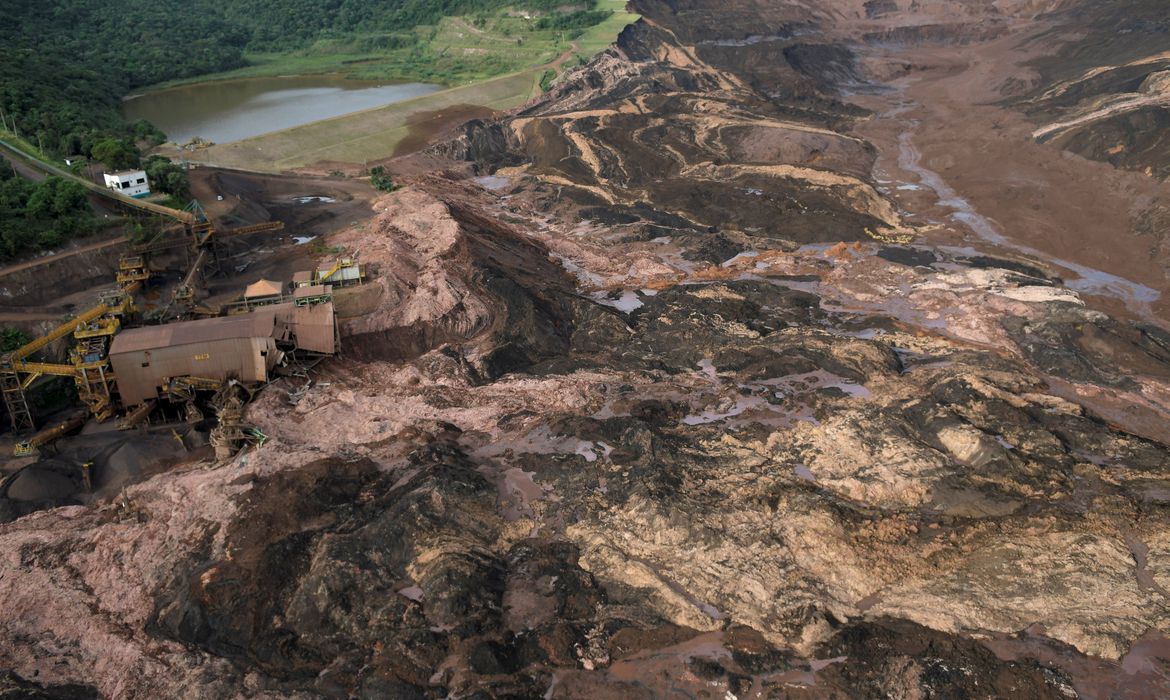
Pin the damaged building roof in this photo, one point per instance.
(258, 324)
(317, 290)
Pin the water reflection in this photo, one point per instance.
(237, 109)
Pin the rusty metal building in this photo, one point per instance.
(310, 321)
(231, 347)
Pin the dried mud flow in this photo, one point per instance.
(786, 350)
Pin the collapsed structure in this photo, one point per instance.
(146, 360)
(129, 370)
(150, 362)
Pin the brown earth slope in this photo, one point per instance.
(771, 355)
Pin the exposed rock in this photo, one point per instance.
(701, 402)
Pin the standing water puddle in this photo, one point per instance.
(1136, 296)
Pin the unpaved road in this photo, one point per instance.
(56, 257)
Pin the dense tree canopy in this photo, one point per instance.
(38, 215)
(115, 154)
(168, 177)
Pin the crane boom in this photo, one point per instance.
(254, 228)
(38, 368)
(59, 332)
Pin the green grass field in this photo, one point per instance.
(495, 62)
(457, 51)
(597, 38)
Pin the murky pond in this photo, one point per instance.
(230, 110)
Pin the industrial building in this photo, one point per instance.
(246, 347)
(129, 182)
(136, 371)
(231, 347)
(262, 293)
(342, 272)
(310, 320)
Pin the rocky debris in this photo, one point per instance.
(902, 660)
(649, 121)
(301, 589)
(13, 687)
(680, 409)
(1103, 97)
(446, 274)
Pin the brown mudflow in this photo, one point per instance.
(786, 350)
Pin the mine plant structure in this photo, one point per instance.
(103, 341)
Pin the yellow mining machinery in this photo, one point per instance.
(94, 329)
(345, 270)
(204, 239)
(88, 365)
(200, 234)
(337, 265)
(29, 446)
(88, 362)
(132, 268)
(137, 415)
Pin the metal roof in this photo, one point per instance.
(318, 290)
(262, 288)
(302, 276)
(258, 324)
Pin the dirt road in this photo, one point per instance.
(56, 257)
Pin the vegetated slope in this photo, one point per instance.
(35, 216)
(751, 450)
(65, 64)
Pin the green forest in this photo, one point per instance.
(65, 64)
(40, 215)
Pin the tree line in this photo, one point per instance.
(66, 64)
(40, 215)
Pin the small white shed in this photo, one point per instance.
(128, 182)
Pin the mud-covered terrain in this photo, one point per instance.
(717, 373)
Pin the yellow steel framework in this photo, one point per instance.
(136, 415)
(204, 236)
(339, 264)
(94, 328)
(29, 446)
(88, 365)
(132, 268)
(184, 388)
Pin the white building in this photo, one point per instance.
(128, 182)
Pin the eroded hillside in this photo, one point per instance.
(768, 356)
